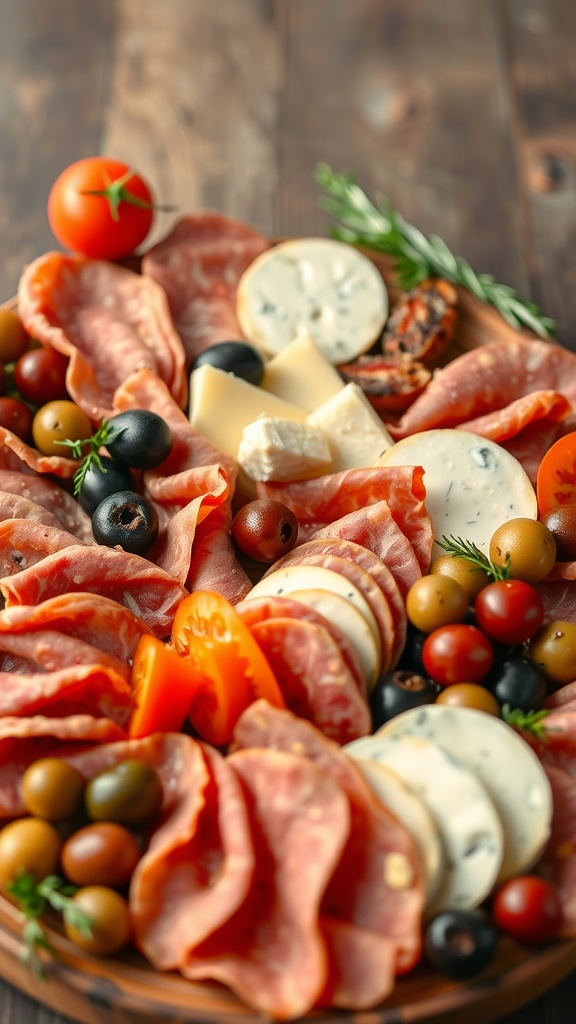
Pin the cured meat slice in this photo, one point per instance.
(370, 913)
(50, 650)
(107, 319)
(488, 378)
(199, 865)
(314, 679)
(371, 564)
(76, 689)
(317, 503)
(98, 621)
(214, 565)
(199, 265)
(559, 598)
(54, 499)
(147, 590)
(530, 445)
(537, 407)
(16, 455)
(24, 542)
(261, 609)
(14, 506)
(271, 951)
(559, 861)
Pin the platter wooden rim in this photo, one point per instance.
(128, 991)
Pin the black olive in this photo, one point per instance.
(411, 657)
(140, 438)
(99, 482)
(399, 691)
(126, 519)
(235, 357)
(518, 682)
(460, 942)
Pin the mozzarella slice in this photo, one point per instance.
(472, 485)
(462, 810)
(353, 625)
(504, 763)
(286, 580)
(317, 287)
(414, 815)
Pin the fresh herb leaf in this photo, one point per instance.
(459, 548)
(416, 256)
(527, 721)
(99, 439)
(33, 898)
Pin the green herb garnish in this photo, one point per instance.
(459, 548)
(33, 898)
(97, 440)
(417, 256)
(527, 721)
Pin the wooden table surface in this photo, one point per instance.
(462, 112)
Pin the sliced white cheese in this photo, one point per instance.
(353, 625)
(356, 433)
(463, 812)
(285, 581)
(317, 287)
(302, 375)
(504, 763)
(410, 810)
(472, 485)
(274, 449)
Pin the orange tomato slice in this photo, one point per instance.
(163, 687)
(556, 478)
(221, 691)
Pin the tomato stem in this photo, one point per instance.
(116, 192)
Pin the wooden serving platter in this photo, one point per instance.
(126, 990)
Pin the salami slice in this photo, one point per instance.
(537, 407)
(199, 265)
(48, 650)
(74, 690)
(24, 542)
(559, 862)
(214, 565)
(54, 499)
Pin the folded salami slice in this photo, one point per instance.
(107, 319)
(73, 690)
(214, 565)
(71, 517)
(530, 445)
(199, 265)
(48, 650)
(147, 590)
(17, 456)
(199, 865)
(371, 910)
(537, 407)
(271, 951)
(559, 863)
(14, 506)
(24, 542)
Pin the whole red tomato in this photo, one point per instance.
(528, 908)
(457, 654)
(100, 208)
(510, 611)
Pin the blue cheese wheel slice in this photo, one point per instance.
(472, 485)
(504, 763)
(314, 287)
(464, 813)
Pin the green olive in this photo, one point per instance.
(59, 421)
(28, 845)
(469, 576)
(52, 789)
(470, 695)
(13, 336)
(109, 919)
(554, 649)
(129, 793)
(528, 545)
(435, 601)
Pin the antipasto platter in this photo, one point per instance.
(358, 531)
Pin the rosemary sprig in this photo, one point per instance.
(527, 721)
(33, 898)
(97, 440)
(459, 548)
(417, 256)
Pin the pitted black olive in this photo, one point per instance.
(127, 520)
(101, 480)
(399, 691)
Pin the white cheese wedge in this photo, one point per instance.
(317, 287)
(504, 763)
(472, 484)
(356, 433)
(302, 375)
(410, 810)
(273, 449)
(353, 625)
(464, 814)
(285, 581)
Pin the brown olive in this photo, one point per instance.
(528, 545)
(109, 918)
(562, 525)
(13, 336)
(435, 601)
(59, 421)
(554, 649)
(469, 695)
(129, 793)
(469, 576)
(104, 853)
(28, 845)
(265, 529)
(52, 789)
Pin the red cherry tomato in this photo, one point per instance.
(457, 654)
(100, 208)
(528, 908)
(40, 375)
(15, 416)
(556, 478)
(510, 611)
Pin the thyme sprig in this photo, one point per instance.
(459, 548)
(416, 255)
(527, 721)
(99, 439)
(33, 899)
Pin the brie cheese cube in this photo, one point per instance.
(301, 374)
(273, 449)
(356, 433)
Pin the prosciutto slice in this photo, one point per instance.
(107, 319)
(50, 650)
(72, 690)
(199, 265)
(24, 542)
(214, 564)
(71, 517)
